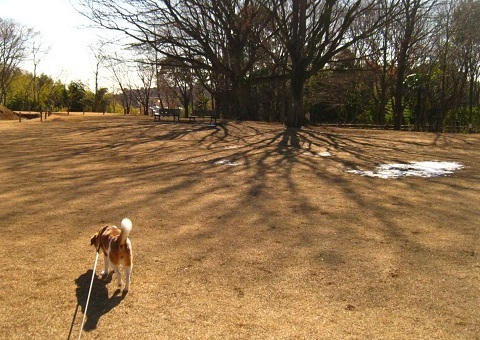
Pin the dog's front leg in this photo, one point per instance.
(107, 265)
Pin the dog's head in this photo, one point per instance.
(96, 238)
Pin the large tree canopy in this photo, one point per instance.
(241, 42)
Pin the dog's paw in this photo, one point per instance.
(104, 273)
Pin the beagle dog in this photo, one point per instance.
(116, 248)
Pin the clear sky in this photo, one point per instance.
(64, 31)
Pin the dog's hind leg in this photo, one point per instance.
(106, 262)
(128, 271)
(119, 276)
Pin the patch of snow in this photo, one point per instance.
(418, 169)
(324, 154)
(318, 154)
(226, 162)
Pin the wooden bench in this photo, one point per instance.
(212, 114)
(166, 113)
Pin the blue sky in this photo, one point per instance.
(64, 31)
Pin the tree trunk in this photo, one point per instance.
(382, 102)
(411, 8)
(398, 107)
(242, 98)
(296, 116)
(399, 84)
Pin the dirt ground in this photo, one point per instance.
(240, 231)
(6, 114)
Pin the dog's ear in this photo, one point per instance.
(102, 231)
(98, 234)
(93, 240)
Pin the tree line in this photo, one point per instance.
(394, 62)
(21, 90)
(27, 91)
(375, 61)
(47, 95)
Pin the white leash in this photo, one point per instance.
(88, 297)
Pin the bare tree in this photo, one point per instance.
(446, 96)
(467, 43)
(146, 73)
(313, 33)
(100, 60)
(378, 58)
(412, 27)
(224, 37)
(179, 78)
(13, 50)
(120, 70)
(39, 51)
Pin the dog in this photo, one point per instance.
(117, 250)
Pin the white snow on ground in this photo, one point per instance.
(226, 162)
(324, 154)
(318, 154)
(419, 169)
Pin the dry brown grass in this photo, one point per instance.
(286, 244)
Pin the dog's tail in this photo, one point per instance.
(125, 227)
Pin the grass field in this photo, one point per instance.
(244, 230)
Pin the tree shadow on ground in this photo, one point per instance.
(100, 303)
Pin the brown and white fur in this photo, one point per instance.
(116, 248)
